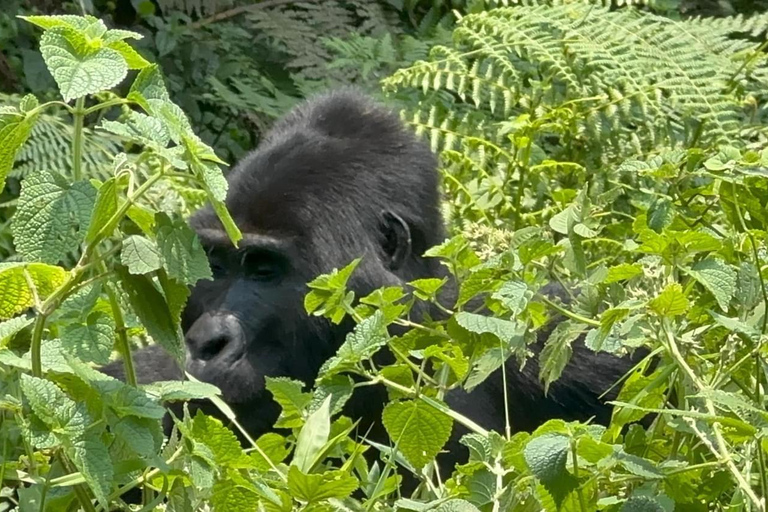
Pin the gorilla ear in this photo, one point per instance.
(397, 240)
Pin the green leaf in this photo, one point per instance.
(328, 292)
(103, 211)
(361, 344)
(149, 85)
(318, 487)
(78, 66)
(140, 255)
(233, 232)
(13, 326)
(514, 295)
(52, 216)
(183, 255)
(623, 272)
(15, 293)
(133, 59)
(312, 437)
(140, 128)
(670, 302)
(14, 132)
(718, 277)
(51, 405)
(642, 504)
(274, 446)
(288, 393)
(91, 457)
(506, 330)
(418, 430)
(91, 341)
(546, 457)
(49, 22)
(338, 387)
(177, 390)
(557, 352)
(153, 312)
(223, 443)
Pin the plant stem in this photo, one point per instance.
(575, 457)
(81, 491)
(569, 314)
(106, 104)
(77, 139)
(123, 346)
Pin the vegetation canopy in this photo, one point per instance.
(618, 152)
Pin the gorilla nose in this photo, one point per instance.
(215, 335)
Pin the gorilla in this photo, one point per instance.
(338, 178)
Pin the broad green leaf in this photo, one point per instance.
(643, 391)
(670, 302)
(152, 309)
(361, 344)
(139, 128)
(623, 272)
(183, 255)
(91, 457)
(660, 214)
(120, 35)
(149, 85)
(312, 437)
(13, 326)
(14, 132)
(328, 292)
(91, 341)
(338, 387)
(718, 277)
(15, 293)
(52, 216)
(317, 487)
(642, 504)
(233, 232)
(59, 412)
(418, 430)
(546, 457)
(507, 331)
(227, 495)
(514, 295)
(175, 390)
(49, 22)
(79, 67)
(638, 465)
(223, 443)
(103, 211)
(133, 59)
(274, 446)
(142, 435)
(564, 221)
(140, 255)
(176, 295)
(288, 393)
(557, 352)
(485, 365)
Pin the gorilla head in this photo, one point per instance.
(338, 178)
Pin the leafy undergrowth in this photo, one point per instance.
(618, 153)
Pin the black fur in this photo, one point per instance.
(336, 179)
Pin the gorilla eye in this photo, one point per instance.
(217, 263)
(262, 266)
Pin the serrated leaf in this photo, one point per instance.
(133, 59)
(140, 255)
(312, 437)
(506, 330)
(418, 430)
(103, 211)
(91, 457)
(175, 390)
(546, 456)
(79, 67)
(52, 216)
(557, 352)
(152, 309)
(718, 277)
(143, 436)
(288, 393)
(183, 256)
(642, 504)
(274, 446)
(623, 272)
(670, 302)
(49, 22)
(13, 326)
(91, 341)
(15, 293)
(317, 487)
(338, 387)
(361, 344)
(51, 405)
(222, 442)
(14, 132)
(139, 128)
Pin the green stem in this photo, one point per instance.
(77, 139)
(36, 344)
(106, 104)
(123, 346)
(569, 314)
(80, 490)
(575, 457)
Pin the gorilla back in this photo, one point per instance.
(338, 178)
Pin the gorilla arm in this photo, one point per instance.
(151, 364)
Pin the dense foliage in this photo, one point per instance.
(619, 152)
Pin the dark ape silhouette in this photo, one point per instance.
(338, 178)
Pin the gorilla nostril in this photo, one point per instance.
(211, 348)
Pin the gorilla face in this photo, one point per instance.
(337, 179)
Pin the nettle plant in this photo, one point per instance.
(666, 252)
